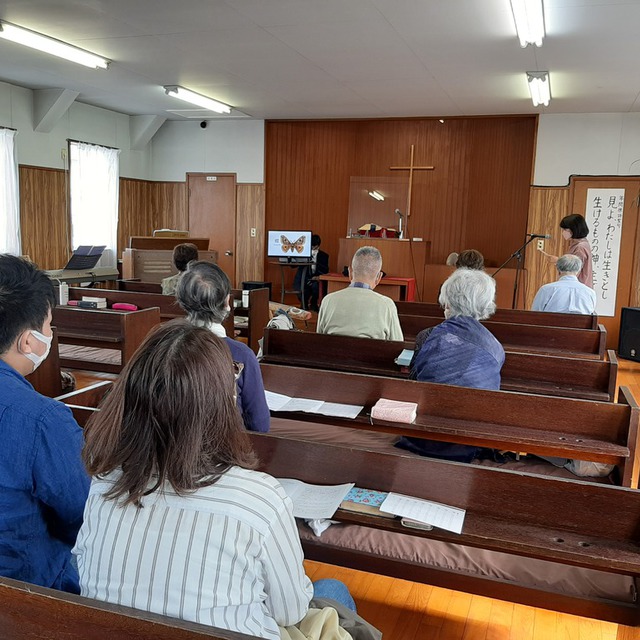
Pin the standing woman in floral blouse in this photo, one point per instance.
(575, 230)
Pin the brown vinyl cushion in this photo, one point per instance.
(520, 570)
(90, 354)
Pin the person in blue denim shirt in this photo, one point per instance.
(43, 483)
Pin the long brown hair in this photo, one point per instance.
(171, 417)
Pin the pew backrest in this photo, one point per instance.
(513, 316)
(104, 328)
(562, 341)
(524, 372)
(29, 612)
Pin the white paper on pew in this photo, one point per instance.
(404, 359)
(313, 501)
(350, 411)
(302, 404)
(433, 513)
(275, 401)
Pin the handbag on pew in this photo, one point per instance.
(330, 620)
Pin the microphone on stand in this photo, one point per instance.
(400, 230)
(538, 235)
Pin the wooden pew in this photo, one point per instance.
(512, 316)
(524, 372)
(542, 425)
(169, 308)
(515, 513)
(257, 315)
(145, 294)
(103, 329)
(46, 378)
(28, 612)
(84, 402)
(559, 341)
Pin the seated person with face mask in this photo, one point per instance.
(43, 484)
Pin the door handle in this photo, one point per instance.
(228, 253)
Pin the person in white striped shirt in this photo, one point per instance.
(177, 522)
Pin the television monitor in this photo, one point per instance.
(289, 246)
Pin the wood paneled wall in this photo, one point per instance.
(44, 220)
(547, 206)
(44, 224)
(477, 196)
(146, 205)
(249, 250)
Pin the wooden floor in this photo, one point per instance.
(409, 611)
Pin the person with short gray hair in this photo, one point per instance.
(567, 294)
(204, 292)
(358, 310)
(459, 351)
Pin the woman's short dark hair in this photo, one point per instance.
(576, 224)
(202, 292)
(26, 296)
(183, 254)
(171, 417)
(470, 259)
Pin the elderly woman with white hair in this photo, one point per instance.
(459, 351)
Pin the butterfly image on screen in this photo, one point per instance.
(287, 245)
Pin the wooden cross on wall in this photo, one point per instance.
(411, 168)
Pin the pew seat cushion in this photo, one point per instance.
(90, 354)
(384, 443)
(516, 570)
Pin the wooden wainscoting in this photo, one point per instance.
(547, 206)
(44, 224)
(249, 250)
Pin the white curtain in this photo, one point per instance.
(9, 200)
(94, 174)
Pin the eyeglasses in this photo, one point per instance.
(238, 368)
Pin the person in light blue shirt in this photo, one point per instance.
(567, 294)
(43, 483)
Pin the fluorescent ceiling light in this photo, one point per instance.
(529, 18)
(196, 98)
(376, 196)
(539, 87)
(51, 46)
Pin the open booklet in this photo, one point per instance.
(281, 402)
(314, 501)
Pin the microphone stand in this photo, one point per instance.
(519, 255)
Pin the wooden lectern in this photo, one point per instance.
(400, 258)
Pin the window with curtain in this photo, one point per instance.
(93, 186)
(9, 200)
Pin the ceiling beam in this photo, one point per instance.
(142, 129)
(49, 105)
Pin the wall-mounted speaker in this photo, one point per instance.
(629, 343)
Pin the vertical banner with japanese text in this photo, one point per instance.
(604, 211)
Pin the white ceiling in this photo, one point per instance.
(332, 58)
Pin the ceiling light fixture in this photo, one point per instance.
(51, 46)
(539, 87)
(376, 196)
(197, 99)
(529, 18)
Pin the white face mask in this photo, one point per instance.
(36, 359)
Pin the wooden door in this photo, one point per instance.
(628, 266)
(212, 214)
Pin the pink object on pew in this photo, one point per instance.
(124, 306)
